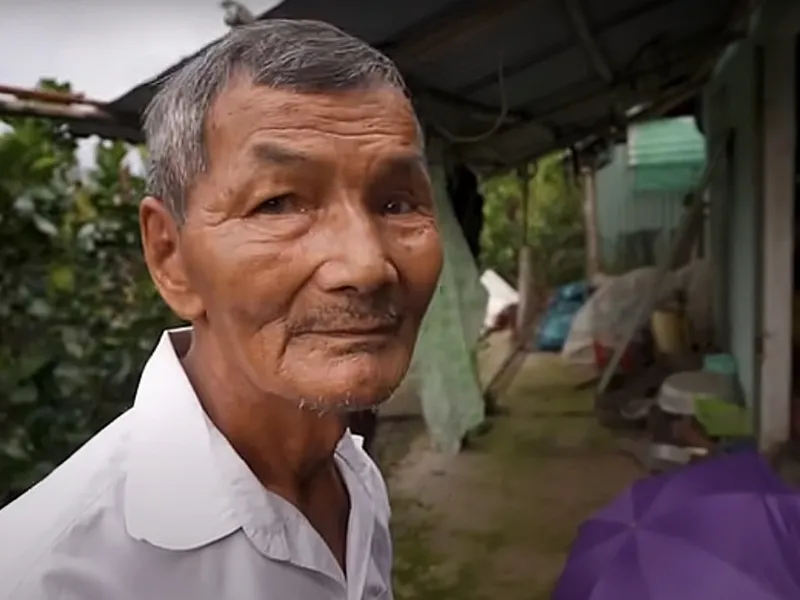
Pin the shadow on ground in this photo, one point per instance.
(497, 520)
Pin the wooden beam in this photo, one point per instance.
(526, 278)
(83, 121)
(696, 63)
(775, 131)
(559, 48)
(446, 29)
(49, 96)
(589, 186)
(52, 110)
(580, 24)
(689, 57)
(601, 129)
(476, 109)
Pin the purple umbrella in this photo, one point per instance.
(725, 528)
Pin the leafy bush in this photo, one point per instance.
(555, 225)
(78, 311)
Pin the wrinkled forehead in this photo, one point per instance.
(372, 120)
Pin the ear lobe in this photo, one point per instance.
(162, 253)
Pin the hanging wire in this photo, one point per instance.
(457, 139)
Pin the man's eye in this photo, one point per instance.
(278, 205)
(399, 205)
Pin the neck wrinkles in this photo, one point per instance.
(284, 446)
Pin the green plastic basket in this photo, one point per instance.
(723, 419)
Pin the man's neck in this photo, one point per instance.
(287, 448)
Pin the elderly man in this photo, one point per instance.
(291, 223)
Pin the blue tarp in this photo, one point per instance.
(553, 329)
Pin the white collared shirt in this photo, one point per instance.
(158, 506)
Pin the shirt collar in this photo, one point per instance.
(186, 487)
(174, 495)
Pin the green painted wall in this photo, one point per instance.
(730, 104)
(733, 101)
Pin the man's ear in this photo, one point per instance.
(162, 253)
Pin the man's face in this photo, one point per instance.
(310, 243)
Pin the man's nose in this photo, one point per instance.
(355, 253)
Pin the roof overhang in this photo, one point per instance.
(511, 80)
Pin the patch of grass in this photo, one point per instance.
(486, 542)
(500, 520)
(420, 573)
(515, 442)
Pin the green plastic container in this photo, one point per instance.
(720, 417)
(724, 364)
(723, 419)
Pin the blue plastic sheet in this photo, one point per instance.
(554, 327)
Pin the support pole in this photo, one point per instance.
(590, 221)
(525, 282)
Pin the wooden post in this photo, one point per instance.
(590, 221)
(526, 309)
(777, 127)
(525, 281)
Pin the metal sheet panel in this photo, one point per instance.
(666, 155)
(634, 227)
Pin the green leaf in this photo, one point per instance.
(45, 226)
(62, 278)
(45, 163)
(27, 394)
(24, 205)
(70, 337)
(30, 364)
(39, 308)
(13, 449)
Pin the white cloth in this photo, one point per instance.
(158, 506)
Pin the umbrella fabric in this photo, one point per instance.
(723, 529)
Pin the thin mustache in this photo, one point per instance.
(350, 319)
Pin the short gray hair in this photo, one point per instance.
(299, 55)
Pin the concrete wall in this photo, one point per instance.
(751, 228)
(776, 33)
(731, 106)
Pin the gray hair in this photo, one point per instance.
(298, 55)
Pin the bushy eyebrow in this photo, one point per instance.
(269, 152)
(404, 163)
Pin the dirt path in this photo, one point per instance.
(497, 520)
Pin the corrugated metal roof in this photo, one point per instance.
(569, 67)
(667, 155)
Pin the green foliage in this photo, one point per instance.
(555, 224)
(78, 311)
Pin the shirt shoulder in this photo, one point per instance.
(78, 505)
